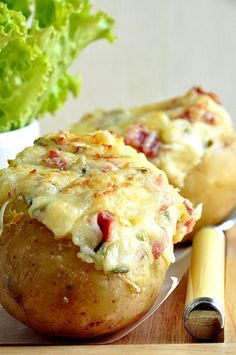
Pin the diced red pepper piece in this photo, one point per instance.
(157, 249)
(213, 96)
(188, 116)
(53, 154)
(61, 139)
(159, 245)
(143, 141)
(54, 160)
(191, 115)
(60, 164)
(200, 90)
(188, 206)
(106, 222)
(189, 224)
(209, 118)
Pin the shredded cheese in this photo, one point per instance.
(108, 199)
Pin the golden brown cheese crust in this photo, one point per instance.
(174, 135)
(114, 205)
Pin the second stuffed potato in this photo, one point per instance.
(190, 137)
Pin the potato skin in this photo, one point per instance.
(44, 284)
(213, 182)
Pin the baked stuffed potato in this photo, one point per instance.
(191, 138)
(87, 233)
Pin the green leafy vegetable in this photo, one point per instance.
(19, 5)
(34, 60)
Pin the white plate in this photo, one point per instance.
(13, 142)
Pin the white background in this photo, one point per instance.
(163, 48)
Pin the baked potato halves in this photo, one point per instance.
(88, 226)
(191, 138)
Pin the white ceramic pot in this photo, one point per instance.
(13, 142)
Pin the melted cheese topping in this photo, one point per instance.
(186, 127)
(67, 180)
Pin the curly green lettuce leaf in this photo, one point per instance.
(71, 24)
(24, 71)
(12, 26)
(34, 61)
(19, 5)
(21, 84)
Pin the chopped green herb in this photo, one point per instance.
(140, 236)
(102, 249)
(209, 143)
(120, 269)
(167, 214)
(42, 141)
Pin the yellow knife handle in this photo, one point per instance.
(204, 307)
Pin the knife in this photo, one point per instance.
(204, 315)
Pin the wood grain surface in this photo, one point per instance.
(145, 349)
(164, 327)
(230, 304)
